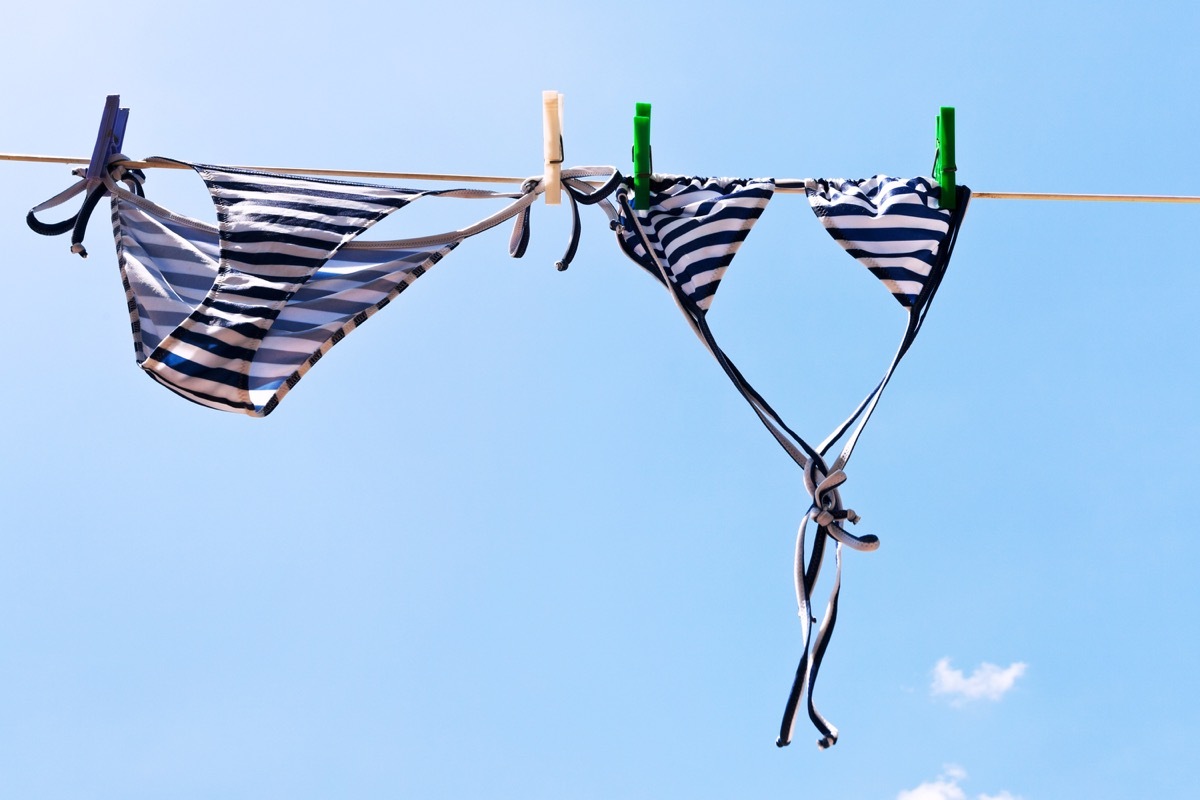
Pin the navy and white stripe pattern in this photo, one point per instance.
(893, 226)
(233, 319)
(695, 226)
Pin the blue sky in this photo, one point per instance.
(519, 537)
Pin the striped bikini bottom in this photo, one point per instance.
(232, 316)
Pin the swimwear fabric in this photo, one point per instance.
(233, 318)
(892, 226)
(695, 227)
(687, 238)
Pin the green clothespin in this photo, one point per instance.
(945, 166)
(642, 161)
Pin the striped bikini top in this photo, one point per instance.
(686, 239)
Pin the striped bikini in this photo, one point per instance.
(687, 238)
(232, 316)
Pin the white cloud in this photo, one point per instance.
(941, 789)
(946, 787)
(987, 681)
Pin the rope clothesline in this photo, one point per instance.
(435, 176)
(349, 173)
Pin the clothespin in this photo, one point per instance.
(552, 103)
(944, 167)
(109, 139)
(643, 162)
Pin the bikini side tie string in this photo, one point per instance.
(579, 192)
(77, 223)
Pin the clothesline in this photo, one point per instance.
(348, 173)
(794, 187)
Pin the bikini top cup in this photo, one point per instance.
(687, 237)
(232, 316)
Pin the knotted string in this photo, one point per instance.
(579, 192)
(77, 223)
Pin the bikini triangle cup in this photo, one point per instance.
(231, 316)
(687, 238)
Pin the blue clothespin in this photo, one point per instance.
(109, 139)
(643, 163)
(108, 143)
(945, 167)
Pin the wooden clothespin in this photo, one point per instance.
(552, 112)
